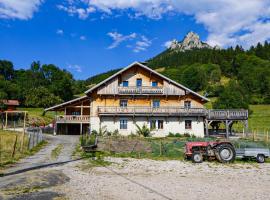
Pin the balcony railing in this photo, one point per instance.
(73, 118)
(164, 111)
(140, 90)
(227, 114)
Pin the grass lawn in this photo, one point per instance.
(36, 116)
(7, 141)
(260, 118)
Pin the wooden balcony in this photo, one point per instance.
(227, 114)
(148, 111)
(73, 119)
(140, 90)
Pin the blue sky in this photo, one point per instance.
(87, 37)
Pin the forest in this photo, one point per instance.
(39, 86)
(234, 76)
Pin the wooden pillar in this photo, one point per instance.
(6, 120)
(227, 129)
(246, 128)
(206, 127)
(81, 129)
(22, 141)
(81, 108)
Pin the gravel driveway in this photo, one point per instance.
(44, 157)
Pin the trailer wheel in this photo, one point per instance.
(260, 158)
(197, 157)
(225, 153)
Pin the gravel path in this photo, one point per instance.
(147, 179)
(44, 155)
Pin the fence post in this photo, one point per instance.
(160, 148)
(14, 147)
(267, 136)
(0, 150)
(253, 134)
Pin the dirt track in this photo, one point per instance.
(134, 179)
(148, 179)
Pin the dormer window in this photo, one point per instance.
(154, 83)
(187, 104)
(139, 82)
(125, 84)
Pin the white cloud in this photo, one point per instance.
(18, 9)
(60, 32)
(118, 38)
(75, 67)
(82, 37)
(142, 44)
(228, 22)
(72, 10)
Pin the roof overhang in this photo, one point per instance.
(151, 70)
(62, 105)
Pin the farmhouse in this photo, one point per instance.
(137, 96)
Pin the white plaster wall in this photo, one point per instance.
(170, 124)
(94, 123)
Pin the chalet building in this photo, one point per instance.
(138, 95)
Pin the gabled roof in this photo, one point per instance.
(149, 69)
(10, 102)
(66, 103)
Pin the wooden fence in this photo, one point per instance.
(35, 136)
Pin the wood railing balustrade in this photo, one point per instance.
(140, 90)
(137, 110)
(73, 118)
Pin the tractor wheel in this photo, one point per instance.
(260, 158)
(197, 157)
(225, 153)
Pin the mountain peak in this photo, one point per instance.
(190, 41)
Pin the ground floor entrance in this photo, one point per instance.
(72, 129)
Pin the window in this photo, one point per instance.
(160, 124)
(156, 103)
(123, 103)
(187, 104)
(153, 124)
(76, 113)
(139, 82)
(123, 123)
(125, 83)
(154, 84)
(188, 124)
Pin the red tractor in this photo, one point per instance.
(223, 151)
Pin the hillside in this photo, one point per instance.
(213, 71)
(236, 77)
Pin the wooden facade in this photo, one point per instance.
(138, 91)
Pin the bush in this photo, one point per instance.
(143, 131)
(87, 140)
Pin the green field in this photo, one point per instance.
(36, 116)
(260, 117)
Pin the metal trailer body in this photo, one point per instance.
(259, 153)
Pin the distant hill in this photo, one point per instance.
(202, 68)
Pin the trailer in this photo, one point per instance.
(260, 154)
